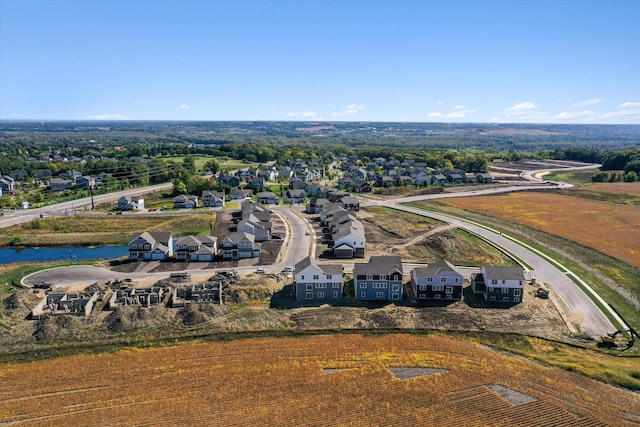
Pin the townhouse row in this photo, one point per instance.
(381, 279)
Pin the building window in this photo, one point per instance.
(315, 277)
(516, 300)
(395, 296)
(492, 298)
(336, 285)
(422, 296)
(363, 285)
(309, 287)
(449, 289)
(335, 295)
(369, 277)
(505, 290)
(309, 295)
(134, 246)
(328, 277)
(302, 277)
(449, 296)
(429, 279)
(494, 282)
(320, 294)
(456, 280)
(423, 287)
(363, 294)
(516, 292)
(505, 299)
(379, 294)
(383, 277)
(490, 289)
(443, 280)
(437, 296)
(437, 288)
(395, 288)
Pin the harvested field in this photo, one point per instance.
(610, 229)
(321, 380)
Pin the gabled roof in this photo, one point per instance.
(503, 272)
(379, 265)
(238, 236)
(433, 269)
(326, 268)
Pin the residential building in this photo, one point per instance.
(380, 279)
(436, 281)
(58, 184)
(151, 246)
(268, 198)
(212, 199)
(239, 245)
(295, 196)
(129, 203)
(499, 283)
(185, 201)
(196, 248)
(350, 203)
(318, 282)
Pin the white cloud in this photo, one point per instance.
(588, 102)
(306, 114)
(351, 109)
(455, 115)
(585, 116)
(629, 105)
(460, 107)
(185, 107)
(435, 115)
(524, 106)
(109, 117)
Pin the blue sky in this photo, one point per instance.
(423, 61)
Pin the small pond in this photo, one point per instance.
(60, 253)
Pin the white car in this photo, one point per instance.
(287, 269)
(260, 270)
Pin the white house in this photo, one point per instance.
(318, 282)
(499, 283)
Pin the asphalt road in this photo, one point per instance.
(584, 311)
(297, 245)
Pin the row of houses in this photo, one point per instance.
(381, 279)
(345, 231)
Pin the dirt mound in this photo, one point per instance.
(193, 316)
(126, 318)
(96, 287)
(118, 321)
(20, 303)
(48, 328)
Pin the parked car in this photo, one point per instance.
(260, 270)
(287, 269)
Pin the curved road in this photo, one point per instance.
(297, 246)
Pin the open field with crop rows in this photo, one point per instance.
(609, 228)
(403, 380)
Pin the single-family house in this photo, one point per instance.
(230, 180)
(238, 245)
(484, 178)
(295, 196)
(438, 280)
(212, 199)
(268, 198)
(318, 282)
(151, 246)
(196, 248)
(42, 174)
(316, 204)
(85, 181)
(185, 201)
(499, 283)
(380, 279)
(129, 203)
(58, 184)
(350, 203)
(438, 179)
(7, 184)
(257, 184)
(239, 194)
(349, 241)
(251, 224)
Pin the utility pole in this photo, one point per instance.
(93, 205)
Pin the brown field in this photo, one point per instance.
(613, 187)
(351, 380)
(611, 229)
